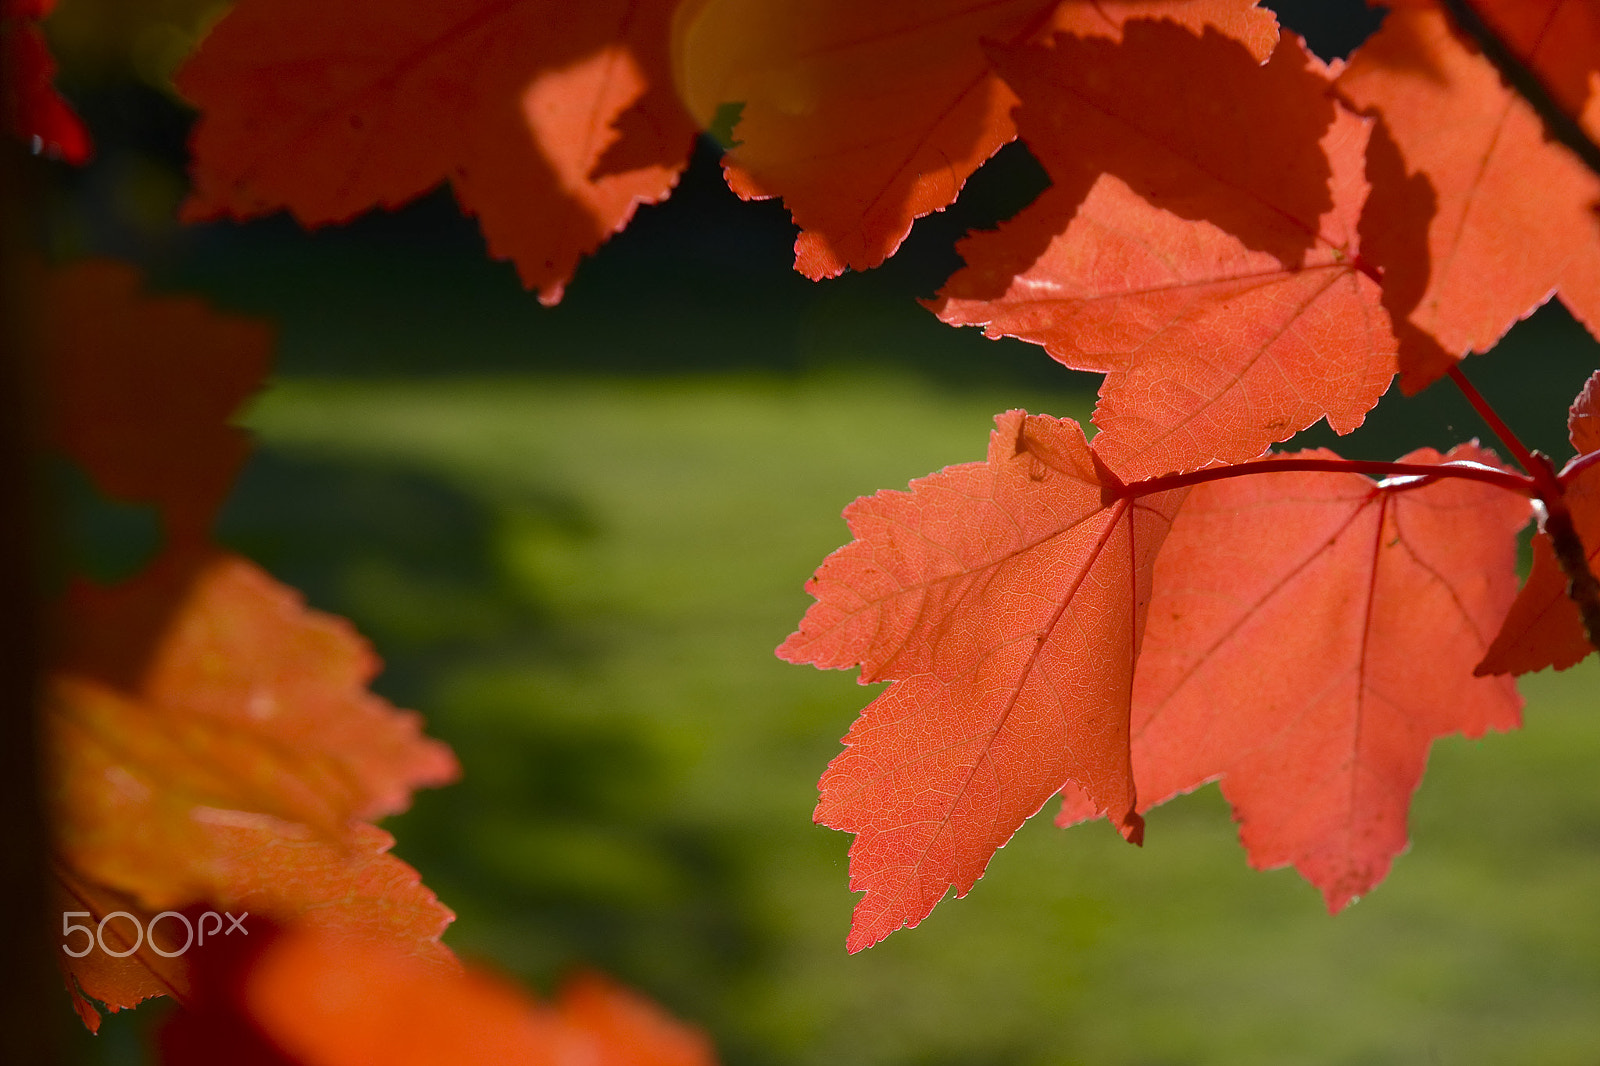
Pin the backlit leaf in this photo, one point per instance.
(867, 116)
(553, 121)
(1311, 633)
(353, 889)
(1469, 241)
(1006, 601)
(1583, 418)
(313, 999)
(235, 768)
(1212, 269)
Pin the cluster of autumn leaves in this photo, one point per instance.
(1244, 239)
(1241, 260)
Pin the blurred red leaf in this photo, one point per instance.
(1006, 600)
(311, 999)
(354, 890)
(553, 121)
(140, 388)
(211, 740)
(30, 107)
(1310, 634)
(235, 770)
(867, 116)
(247, 701)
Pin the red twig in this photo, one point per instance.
(1509, 480)
(1491, 417)
(1556, 522)
(1556, 518)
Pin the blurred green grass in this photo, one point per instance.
(580, 582)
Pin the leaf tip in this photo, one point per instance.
(816, 258)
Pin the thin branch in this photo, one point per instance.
(1505, 433)
(1508, 480)
(1527, 84)
(1583, 588)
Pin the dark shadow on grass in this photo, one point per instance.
(553, 847)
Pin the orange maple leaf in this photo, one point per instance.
(1559, 42)
(553, 121)
(1583, 418)
(867, 116)
(210, 740)
(354, 889)
(1006, 599)
(1310, 634)
(307, 997)
(235, 772)
(1199, 247)
(1467, 243)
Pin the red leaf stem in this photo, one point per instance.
(1508, 480)
(1550, 490)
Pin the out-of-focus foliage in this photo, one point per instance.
(98, 41)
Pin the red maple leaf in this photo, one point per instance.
(1468, 243)
(30, 108)
(553, 121)
(1545, 627)
(1006, 600)
(140, 389)
(1311, 633)
(1210, 251)
(235, 771)
(1559, 42)
(867, 116)
(354, 889)
(1583, 418)
(1199, 247)
(302, 996)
